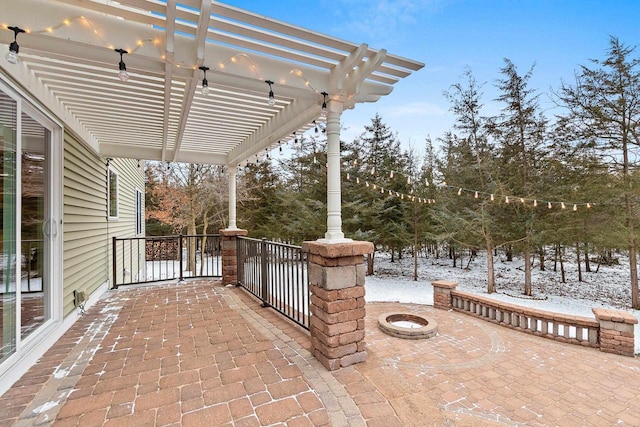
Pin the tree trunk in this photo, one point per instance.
(556, 249)
(509, 253)
(415, 247)
(579, 262)
(527, 269)
(542, 259)
(587, 263)
(491, 277)
(564, 279)
(370, 264)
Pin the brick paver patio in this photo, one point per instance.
(203, 354)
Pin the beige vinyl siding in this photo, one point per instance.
(87, 231)
(130, 178)
(85, 257)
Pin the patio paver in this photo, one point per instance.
(203, 354)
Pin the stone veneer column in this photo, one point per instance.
(230, 255)
(616, 331)
(442, 293)
(336, 278)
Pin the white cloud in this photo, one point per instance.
(416, 108)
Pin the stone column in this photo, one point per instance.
(336, 277)
(232, 198)
(334, 196)
(230, 255)
(442, 294)
(616, 331)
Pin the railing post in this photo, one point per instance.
(180, 250)
(240, 256)
(113, 261)
(229, 255)
(442, 294)
(336, 278)
(264, 272)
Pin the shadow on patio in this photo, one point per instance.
(204, 354)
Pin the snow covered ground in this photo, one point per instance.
(609, 288)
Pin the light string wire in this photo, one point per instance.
(88, 23)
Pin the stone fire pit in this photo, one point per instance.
(407, 325)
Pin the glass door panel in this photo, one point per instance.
(8, 250)
(34, 283)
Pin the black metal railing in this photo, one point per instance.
(153, 259)
(277, 274)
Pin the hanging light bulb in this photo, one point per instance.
(366, 183)
(357, 180)
(373, 170)
(588, 205)
(272, 99)
(122, 73)
(522, 200)
(12, 55)
(459, 191)
(535, 203)
(575, 208)
(348, 177)
(549, 205)
(475, 195)
(563, 206)
(506, 199)
(323, 111)
(492, 198)
(391, 174)
(205, 83)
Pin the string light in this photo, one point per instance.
(205, 83)
(122, 72)
(14, 48)
(460, 192)
(272, 99)
(535, 203)
(492, 198)
(563, 206)
(506, 199)
(549, 205)
(476, 195)
(323, 111)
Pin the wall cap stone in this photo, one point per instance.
(233, 232)
(338, 250)
(444, 284)
(614, 315)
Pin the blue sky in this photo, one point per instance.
(448, 35)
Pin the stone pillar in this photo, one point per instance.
(334, 196)
(336, 277)
(230, 255)
(616, 331)
(232, 198)
(442, 294)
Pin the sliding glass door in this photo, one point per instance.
(28, 227)
(8, 170)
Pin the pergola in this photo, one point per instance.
(68, 61)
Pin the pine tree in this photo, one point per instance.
(604, 110)
(520, 130)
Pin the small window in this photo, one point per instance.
(113, 194)
(139, 218)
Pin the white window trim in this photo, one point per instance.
(111, 170)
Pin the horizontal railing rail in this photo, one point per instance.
(277, 274)
(138, 260)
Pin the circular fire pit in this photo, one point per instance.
(407, 325)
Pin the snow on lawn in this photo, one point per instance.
(609, 288)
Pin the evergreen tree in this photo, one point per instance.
(604, 110)
(520, 130)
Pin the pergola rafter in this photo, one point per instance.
(67, 60)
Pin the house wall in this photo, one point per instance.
(87, 228)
